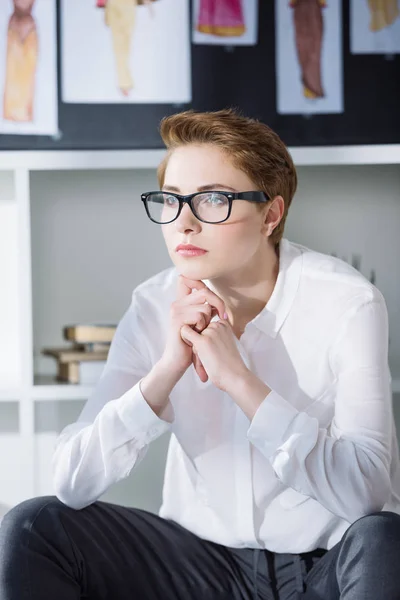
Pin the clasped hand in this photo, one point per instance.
(216, 349)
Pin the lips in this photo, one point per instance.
(188, 250)
(189, 247)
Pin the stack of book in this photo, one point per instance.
(84, 361)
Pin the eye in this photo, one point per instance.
(170, 200)
(215, 199)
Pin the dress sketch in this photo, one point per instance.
(383, 13)
(221, 17)
(21, 62)
(308, 24)
(120, 18)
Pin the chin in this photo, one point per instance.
(191, 270)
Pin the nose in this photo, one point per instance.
(187, 221)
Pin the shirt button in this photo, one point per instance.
(202, 494)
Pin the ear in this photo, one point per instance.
(274, 214)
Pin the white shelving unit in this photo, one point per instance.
(31, 181)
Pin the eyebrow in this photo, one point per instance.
(202, 188)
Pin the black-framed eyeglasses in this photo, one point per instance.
(208, 207)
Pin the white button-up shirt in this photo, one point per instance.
(321, 450)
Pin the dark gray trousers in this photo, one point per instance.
(51, 552)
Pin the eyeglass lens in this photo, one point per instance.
(208, 206)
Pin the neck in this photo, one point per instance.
(247, 290)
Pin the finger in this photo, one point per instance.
(214, 327)
(201, 323)
(185, 286)
(200, 370)
(198, 317)
(189, 335)
(206, 295)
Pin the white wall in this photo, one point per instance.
(9, 348)
(92, 243)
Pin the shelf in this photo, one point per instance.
(47, 388)
(385, 154)
(49, 160)
(10, 394)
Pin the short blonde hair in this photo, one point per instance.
(252, 146)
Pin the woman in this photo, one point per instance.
(120, 16)
(308, 23)
(221, 17)
(267, 362)
(21, 62)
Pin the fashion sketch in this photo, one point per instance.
(119, 16)
(375, 27)
(21, 63)
(309, 25)
(221, 17)
(383, 13)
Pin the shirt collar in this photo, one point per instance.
(273, 315)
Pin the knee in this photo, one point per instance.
(377, 528)
(20, 519)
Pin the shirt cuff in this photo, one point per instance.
(138, 417)
(270, 424)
